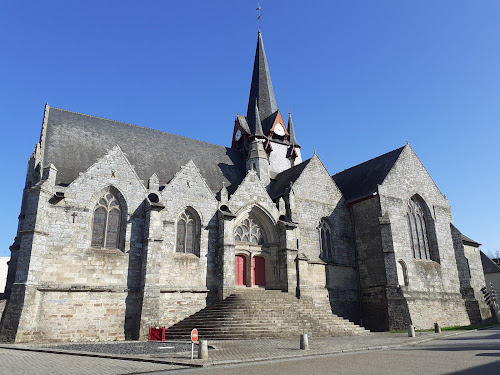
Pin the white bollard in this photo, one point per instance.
(411, 331)
(203, 349)
(304, 342)
(437, 328)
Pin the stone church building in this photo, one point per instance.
(123, 226)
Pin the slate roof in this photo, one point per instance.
(488, 265)
(361, 181)
(244, 124)
(468, 241)
(291, 131)
(282, 180)
(268, 122)
(254, 122)
(261, 88)
(74, 141)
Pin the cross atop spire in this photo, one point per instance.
(261, 88)
(260, 15)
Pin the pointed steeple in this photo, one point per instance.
(291, 131)
(261, 89)
(254, 123)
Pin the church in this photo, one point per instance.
(123, 227)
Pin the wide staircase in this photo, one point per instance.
(257, 313)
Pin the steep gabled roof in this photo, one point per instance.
(74, 141)
(468, 241)
(261, 88)
(243, 123)
(282, 180)
(361, 180)
(488, 265)
(268, 122)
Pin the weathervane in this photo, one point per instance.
(260, 15)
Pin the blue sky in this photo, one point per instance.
(360, 77)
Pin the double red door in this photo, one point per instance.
(258, 270)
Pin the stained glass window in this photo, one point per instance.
(418, 230)
(107, 222)
(187, 233)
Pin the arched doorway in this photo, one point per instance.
(255, 239)
(240, 267)
(259, 270)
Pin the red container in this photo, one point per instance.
(156, 334)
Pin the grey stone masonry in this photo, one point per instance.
(123, 228)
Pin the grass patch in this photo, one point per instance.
(469, 328)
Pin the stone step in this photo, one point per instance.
(258, 324)
(259, 313)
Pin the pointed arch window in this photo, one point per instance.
(106, 224)
(402, 272)
(249, 231)
(188, 228)
(418, 225)
(325, 233)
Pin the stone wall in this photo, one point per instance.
(175, 306)
(329, 282)
(371, 266)
(477, 279)
(433, 290)
(76, 316)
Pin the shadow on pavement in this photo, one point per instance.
(489, 369)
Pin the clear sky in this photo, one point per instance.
(360, 77)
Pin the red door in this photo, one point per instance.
(259, 271)
(240, 267)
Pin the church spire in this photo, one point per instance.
(261, 89)
(254, 123)
(291, 131)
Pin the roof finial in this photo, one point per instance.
(260, 15)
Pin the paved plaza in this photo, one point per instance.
(157, 357)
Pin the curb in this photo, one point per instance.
(102, 355)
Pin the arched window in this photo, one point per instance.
(188, 229)
(402, 273)
(325, 233)
(249, 231)
(106, 224)
(418, 225)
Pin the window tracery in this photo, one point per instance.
(187, 233)
(249, 231)
(417, 224)
(106, 224)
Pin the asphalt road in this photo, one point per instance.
(470, 353)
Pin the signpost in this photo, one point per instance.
(194, 338)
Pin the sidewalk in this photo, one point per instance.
(234, 351)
